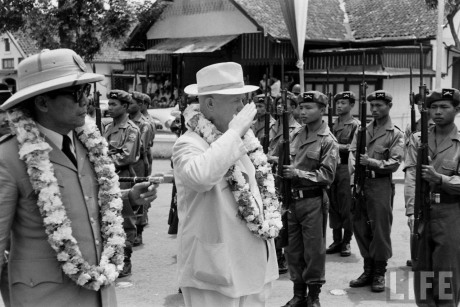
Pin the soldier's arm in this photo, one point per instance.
(145, 138)
(352, 158)
(328, 164)
(410, 163)
(451, 184)
(129, 151)
(395, 156)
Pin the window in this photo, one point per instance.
(8, 64)
(7, 44)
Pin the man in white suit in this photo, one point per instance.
(220, 262)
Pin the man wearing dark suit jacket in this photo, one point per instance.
(60, 200)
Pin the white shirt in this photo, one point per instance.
(57, 138)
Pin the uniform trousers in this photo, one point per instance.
(437, 271)
(194, 297)
(340, 208)
(372, 219)
(306, 252)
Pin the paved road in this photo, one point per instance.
(153, 279)
(153, 284)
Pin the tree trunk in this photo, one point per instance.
(65, 36)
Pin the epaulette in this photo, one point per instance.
(6, 137)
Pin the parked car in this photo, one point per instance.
(163, 117)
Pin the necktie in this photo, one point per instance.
(66, 149)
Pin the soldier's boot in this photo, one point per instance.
(313, 295)
(346, 248)
(336, 246)
(299, 299)
(126, 271)
(138, 240)
(282, 266)
(366, 277)
(378, 282)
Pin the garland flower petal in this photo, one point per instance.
(265, 223)
(34, 151)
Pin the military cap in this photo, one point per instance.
(296, 89)
(139, 97)
(147, 99)
(451, 94)
(120, 95)
(380, 95)
(312, 96)
(260, 98)
(345, 95)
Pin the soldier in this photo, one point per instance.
(372, 220)
(272, 155)
(294, 93)
(147, 102)
(142, 166)
(313, 167)
(438, 253)
(340, 209)
(124, 148)
(259, 125)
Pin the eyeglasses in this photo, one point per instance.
(77, 92)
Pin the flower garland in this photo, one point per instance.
(265, 224)
(34, 150)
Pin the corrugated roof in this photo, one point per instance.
(325, 18)
(191, 44)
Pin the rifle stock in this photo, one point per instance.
(284, 185)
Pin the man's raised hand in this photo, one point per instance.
(243, 120)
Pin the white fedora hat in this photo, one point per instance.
(221, 78)
(47, 71)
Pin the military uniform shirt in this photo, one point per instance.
(259, 128)
(344, 132)
(276, 140)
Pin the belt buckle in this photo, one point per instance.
(301, 194)
(435, 198)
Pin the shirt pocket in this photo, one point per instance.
(312, 154)
(449, 167)
(380, 152)
(32, 272)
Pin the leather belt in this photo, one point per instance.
(300, 194)
(373, 175)
(343, 158)
(443, 198)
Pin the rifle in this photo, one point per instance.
(413, 124)
(284, 184)
(360, 170)
(97, 106)
(422, 187)
(266, 140)
(329, 103)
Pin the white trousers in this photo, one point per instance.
(194, 297)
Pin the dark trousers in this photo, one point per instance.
(306, 252)
(437, 271)
(4, 286)
(373, 218)
(340, 208)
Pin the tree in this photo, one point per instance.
(451, 9)
(81, 25)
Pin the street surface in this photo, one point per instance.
(153, 282)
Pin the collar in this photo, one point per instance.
(55, 137)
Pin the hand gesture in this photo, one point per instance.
(430, 174)
(243, 120)
(143, 192)
(364, 159)
(289, 171)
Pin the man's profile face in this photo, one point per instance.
(4, 126)
(116, 108)
(343, 106)
(134, 106)
(261, 109)
(310, 112)
(443, 112)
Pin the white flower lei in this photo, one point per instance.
(265, 224)
(34, 150)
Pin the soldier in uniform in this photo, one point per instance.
(437, 273)
(124, 148)
(372, 220)
(313, 167)
(340, 210)
(272, 155)
(142, 166)
(147, 102)
(259, 124)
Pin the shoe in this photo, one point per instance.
(378, 282)
(313, 296)
(409, 262)
(282, 267)
(346, 250)
(334, 248)
(296, 301)
(126, 270)
(366, 277)
(138, 240)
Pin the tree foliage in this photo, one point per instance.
(81, 25)
(451, 7)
